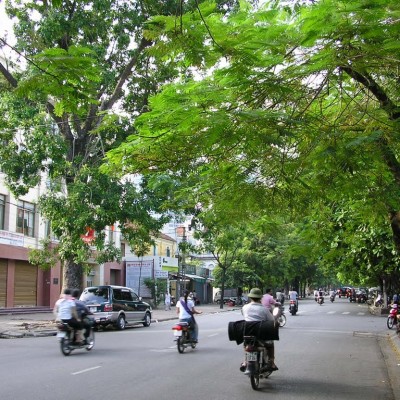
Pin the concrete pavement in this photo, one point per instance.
(23, 325)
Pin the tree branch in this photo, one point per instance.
(124, 76)
(9, 77)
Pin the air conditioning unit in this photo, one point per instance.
(92, 272)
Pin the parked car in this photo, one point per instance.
(116, 305)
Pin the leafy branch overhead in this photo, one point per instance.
(291, 110)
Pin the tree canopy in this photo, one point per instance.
(293, 111)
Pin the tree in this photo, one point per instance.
(297, 109)
(81, 78)
(222, 241)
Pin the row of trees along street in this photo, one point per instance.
(279, 118)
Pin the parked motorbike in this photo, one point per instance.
(255, 361)
(361, 298)
(293, 307)
(392, 317)
(66, 336)
(183, 336)
(279, 315)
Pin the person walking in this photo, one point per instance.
(167, 301)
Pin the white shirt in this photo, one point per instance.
(256, 312)
(64, 308)
(183, 314)
(167, 298)
(293, 295)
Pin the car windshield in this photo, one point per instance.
(94, 295)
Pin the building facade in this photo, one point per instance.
(25, 285)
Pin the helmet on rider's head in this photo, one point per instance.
(255, 293)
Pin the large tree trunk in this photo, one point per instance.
(72, 276)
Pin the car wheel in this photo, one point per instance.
(147, 320)
(120, 325)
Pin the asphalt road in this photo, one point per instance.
(334, 351)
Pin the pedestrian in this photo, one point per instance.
(194, 297)
(167, 301)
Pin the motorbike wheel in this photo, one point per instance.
(282, 320)
(65, 347)
(180, 345)
(390, 322)
(90, 341)
(255, 381)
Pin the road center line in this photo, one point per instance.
(85, 370)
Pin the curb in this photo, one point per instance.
(25, 331)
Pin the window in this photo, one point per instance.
(168, 252)
(2, 210)
(122, 249)
(26, 218)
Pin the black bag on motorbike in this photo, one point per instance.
(263, 330)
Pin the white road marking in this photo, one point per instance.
(331, 312)
(346, 312)
(215, 334)
(85, 370)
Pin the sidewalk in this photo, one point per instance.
(13, 326)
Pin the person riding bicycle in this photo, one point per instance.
(256, 311)
(185, 309)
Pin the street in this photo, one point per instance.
(334, 351)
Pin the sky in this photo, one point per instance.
(5, 31)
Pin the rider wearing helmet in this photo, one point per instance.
(255, 311)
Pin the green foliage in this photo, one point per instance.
(296, 119)
(44, 258)
(157, 287)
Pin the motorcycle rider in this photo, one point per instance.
(320, 294)
(293, 295)
(82, 311)
(256, 311)
(65, 311)
(268, 300)
(185, 309)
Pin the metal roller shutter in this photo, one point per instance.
(3, 283)
(25, 284)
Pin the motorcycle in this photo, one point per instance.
(292, 307)
(332, 298)
(255, 361)
(279, 315)
(392, 317)
(320, 300)
(183, 336)
(66, 336)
